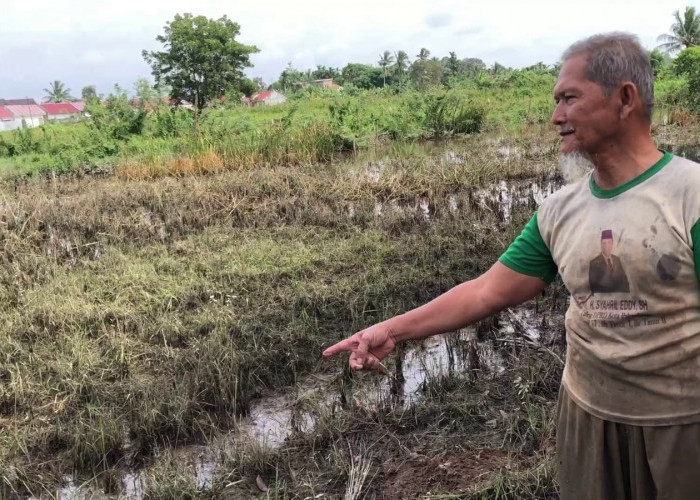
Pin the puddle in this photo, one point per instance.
(133, 486)
(204, 474)
(274, 418)
(70, 491)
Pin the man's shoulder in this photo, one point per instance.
(564, 196)
(687, 167)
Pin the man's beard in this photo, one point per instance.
(574, 166)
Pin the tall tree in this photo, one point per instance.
(385, 60)
(658, 60)
(201, 59)
(401, 65)
(57, 92)
(260, 83)
(685, 32)
(89, 93)
(425, 73)
(473, 65)
(423, 54)
(452, 64)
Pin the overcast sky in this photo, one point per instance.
(97, 43)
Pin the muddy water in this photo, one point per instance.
(277, 416)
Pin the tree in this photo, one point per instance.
(57, 92)
(685, 32)
(144, 92)
(473, 66)
(401, 65)
(248, 87)
(658, 60)
(201, 59)
(260, 83)
(452, 64)
(289, 78)
(687, 64)
(321, 72)
(385, 60)
(89, 93)
(362, 75)
(423, 54)
(425, 73)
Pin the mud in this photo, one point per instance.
(449, 474)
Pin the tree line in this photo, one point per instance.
(201, 61)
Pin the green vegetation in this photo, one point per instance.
(685, 31)
(171, 275)
(202, 59)
(141, 314)
(57, 92)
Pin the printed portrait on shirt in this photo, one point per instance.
(605, 272)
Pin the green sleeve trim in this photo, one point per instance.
(529, 255)
(695, 238)
(611, 193)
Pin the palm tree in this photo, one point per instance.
(385, 60)
(423, 54)
(57, 92)
(685, 32)
(401, 64)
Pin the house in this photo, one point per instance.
(79, 105)
(6, 119)
(60, 111)
(27, 115)
(17, 102)
(268, 97)
(324, 83)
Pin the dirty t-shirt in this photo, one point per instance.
(629, 258)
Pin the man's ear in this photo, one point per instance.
(629, 98)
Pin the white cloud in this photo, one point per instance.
(82, 43)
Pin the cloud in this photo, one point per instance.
(469, 30)
(438, 20)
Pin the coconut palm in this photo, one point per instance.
(385, 61)
(685, 32)
(423, 54)
(401, 65)
(57, 92)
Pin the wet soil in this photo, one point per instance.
(453, 474)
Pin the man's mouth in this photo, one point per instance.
(566, 132)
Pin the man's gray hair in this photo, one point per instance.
(614, 58)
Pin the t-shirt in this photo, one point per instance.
(630, 258)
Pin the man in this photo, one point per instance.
(605, 272)
(629, 406)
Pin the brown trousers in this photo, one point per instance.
(603, 460)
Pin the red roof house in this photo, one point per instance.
(59, 108)
(268, 97)
(5, 114)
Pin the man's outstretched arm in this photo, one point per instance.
(463, 305)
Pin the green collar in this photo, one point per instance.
(611, 193)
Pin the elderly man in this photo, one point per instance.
(628, 423)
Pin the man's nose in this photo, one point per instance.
(558, 116)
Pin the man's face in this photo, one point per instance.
(585, 118)
(606, 246)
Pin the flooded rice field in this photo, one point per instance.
(279, 415)
(163, 338)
